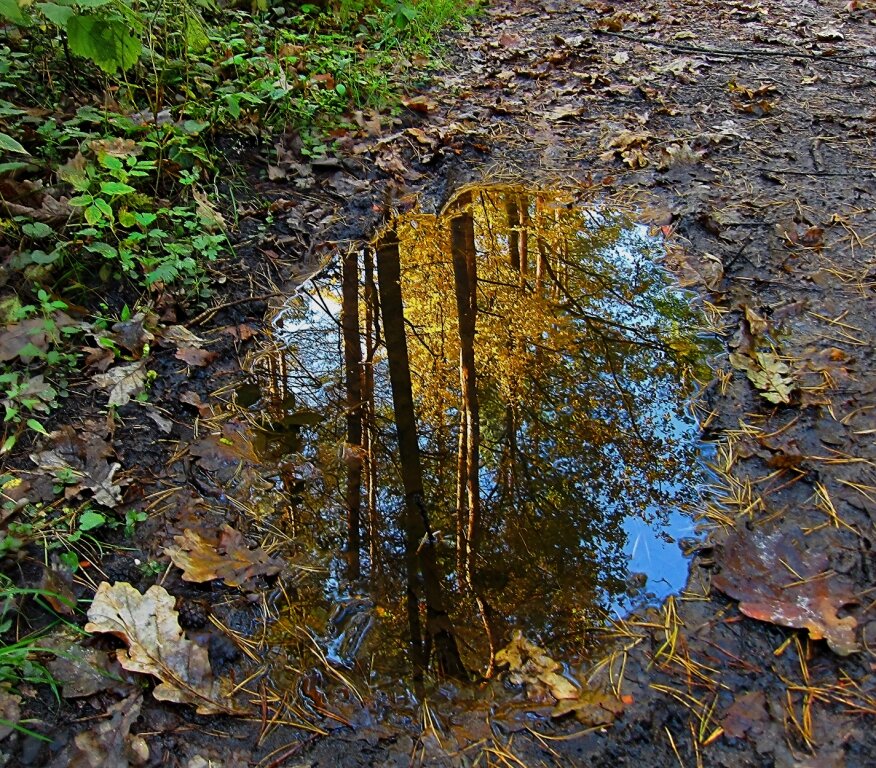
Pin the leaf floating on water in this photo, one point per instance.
(775, 580)
(229, 559)
(531, 665)
(591, 708)
(769, 374)
(149, 625)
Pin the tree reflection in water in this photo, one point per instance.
(550, 362)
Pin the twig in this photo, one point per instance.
(740, 52)
(208, 313)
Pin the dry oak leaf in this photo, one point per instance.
(149, 625)
(776, 580)
(229, 559)
(530, 664)
(124, 382)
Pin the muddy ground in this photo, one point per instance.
(743, 130)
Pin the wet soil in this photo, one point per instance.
(742, 131)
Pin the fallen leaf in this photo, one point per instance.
(530, 664)
(110, 744)
(197, 358)
(40, 394)
(747, 710)
(630, 146)
(222, 451)
(275, 173)
(390, 162)
(240, 332)
(179, 335)
(164, 424)
(422, 137)
(776, 579)
(57, 585)
(131, 334)
(419, 104)
(17, 338)
(678, 154)
(829, 34)
(10, 711)
(591, 707)
(756, 323)
(229, 558)
(124, 382)
(209, 215)
(149, 626)
(812, 237)
(114, 147)
(770, 376)
(82, 671)
(194, 399)
(84, 452)
(99, 358)
(563, 113)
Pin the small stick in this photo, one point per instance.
(208, 313)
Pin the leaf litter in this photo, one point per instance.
(775, 579)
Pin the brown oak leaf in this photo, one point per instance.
(195, 357)
(229, 558)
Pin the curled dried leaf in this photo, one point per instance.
(148, 624)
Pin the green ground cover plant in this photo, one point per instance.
(110, 113)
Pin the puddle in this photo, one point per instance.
(544, 339)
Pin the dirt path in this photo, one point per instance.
(745, 132)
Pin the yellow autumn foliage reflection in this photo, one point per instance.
(550, 359)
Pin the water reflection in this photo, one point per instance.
(550, 361)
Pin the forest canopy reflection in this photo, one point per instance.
(508, 390)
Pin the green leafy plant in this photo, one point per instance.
(105, 32)
(20, 659)
(36, 366)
